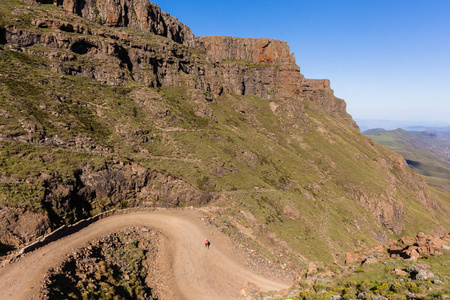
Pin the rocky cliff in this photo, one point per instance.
(257, 67)
(138, 14)
(97, 116)
(265, 68)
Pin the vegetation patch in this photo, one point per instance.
(111, 268)
(391, 279)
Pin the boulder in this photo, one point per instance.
(422, 239)
(248, 291)
(407, 240)
(377, 250)
(414, 255)
(351, 258)
(418, 268)
(420, 272)
(399, 272)
(424, 275)
(396, 250)
(437, 242)
(370, 260)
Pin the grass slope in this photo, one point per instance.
(425, 152)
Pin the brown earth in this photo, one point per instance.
(198, 273)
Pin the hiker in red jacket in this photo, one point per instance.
(207, 243)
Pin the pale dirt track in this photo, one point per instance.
(198, 273)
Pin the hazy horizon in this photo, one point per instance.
(366, 124)
(387, 60)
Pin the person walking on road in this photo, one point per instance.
(207, 243)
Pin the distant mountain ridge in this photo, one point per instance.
(367, 124)
(442, 132)
(427, 152)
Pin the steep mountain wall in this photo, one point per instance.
(216, 65)
(276, 65)
(137, 14)
(259, 67)
(264, 68)
(257, 51)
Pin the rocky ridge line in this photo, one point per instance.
(243, 66)
(137, 14)
(265, 68)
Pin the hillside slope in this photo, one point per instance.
(99, 113)
(426, 152)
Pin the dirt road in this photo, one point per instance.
(198, 273)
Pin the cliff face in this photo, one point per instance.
(264, 68)
(216, 65)
(257, 51)
(257, 67)
(137, 14)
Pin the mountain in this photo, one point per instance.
(109, 104)
(367, 124)
(426, 152)
(442, 132)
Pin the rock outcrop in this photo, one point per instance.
(137, 14)
(262, 67)
(406, 247)
(257, 67)
(100, 190)
(122, 257)
(257, 51)
(421, 246)
(19, 226)
(116, 183)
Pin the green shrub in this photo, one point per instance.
(318, 287)
(365, 286)
(394, 296)
(382, 289)
(413, 287)
(398, 287)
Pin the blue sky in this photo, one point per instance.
(389, 60)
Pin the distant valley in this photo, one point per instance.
(426, 152)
